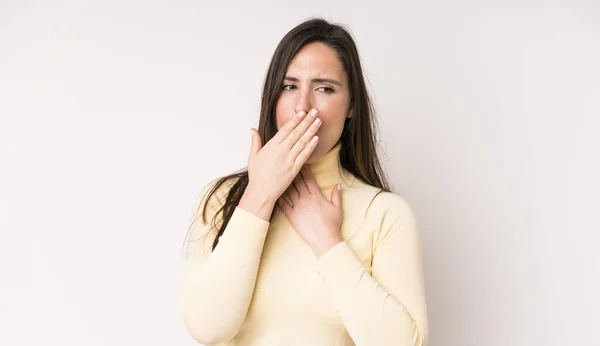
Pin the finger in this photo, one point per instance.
(304, 141)
(292, 192)
(285, 207)
(309, 179)
(256, 143)
(336, 196)
(289, 126)
(305, 153)
(285, 196)
(300, 185)
(298, 132)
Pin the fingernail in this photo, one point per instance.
(313, 112)
(339, 187)
(301, 114)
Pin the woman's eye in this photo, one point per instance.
(327, 90)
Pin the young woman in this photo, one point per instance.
(308, 245)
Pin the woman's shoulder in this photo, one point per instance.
(392, 212)
(383, 205)
(391, 202)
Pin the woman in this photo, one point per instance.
(280, 255)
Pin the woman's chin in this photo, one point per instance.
(314, 156)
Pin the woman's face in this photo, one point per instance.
(316, 79)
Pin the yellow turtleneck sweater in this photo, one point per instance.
(264, 286)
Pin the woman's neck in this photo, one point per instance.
(328, 170)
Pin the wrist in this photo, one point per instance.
(255, 202)
(325, 245)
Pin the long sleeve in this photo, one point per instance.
(388, 306)
(217, 288)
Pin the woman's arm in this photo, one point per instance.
(389, 306)
(217, 287)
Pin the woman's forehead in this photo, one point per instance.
(316, 60)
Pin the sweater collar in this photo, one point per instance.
(328, 170)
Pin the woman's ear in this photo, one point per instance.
(350, 114)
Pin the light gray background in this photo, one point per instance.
(114, 114)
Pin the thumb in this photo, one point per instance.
(336, 196)
(256, 143)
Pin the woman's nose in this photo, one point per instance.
(303, 102)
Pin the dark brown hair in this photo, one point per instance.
(358, 140)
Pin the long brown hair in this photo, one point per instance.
(358, 140)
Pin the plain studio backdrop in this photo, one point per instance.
(114, 114)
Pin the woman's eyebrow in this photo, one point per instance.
(315, 80)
